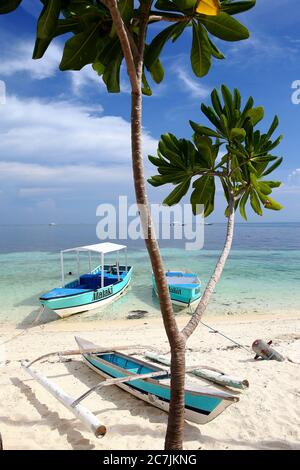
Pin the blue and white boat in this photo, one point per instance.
(98, 287)
(184, 287)
(152, 384)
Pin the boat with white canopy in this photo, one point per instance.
(98, 287)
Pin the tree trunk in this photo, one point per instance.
(197, 315)
(174, 436)
(175, 429)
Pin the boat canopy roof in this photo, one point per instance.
(98, 248)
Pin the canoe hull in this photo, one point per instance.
(72, 304)
(158, 394)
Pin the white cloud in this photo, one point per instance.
(294, 178)
(62, 175)
(59, 151)
(59, 132)
(261, 48)
(193, 87)
(17, 58)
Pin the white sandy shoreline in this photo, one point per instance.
(267, 416)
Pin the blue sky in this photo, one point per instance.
(65, 142)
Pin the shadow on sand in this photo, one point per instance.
(124, 401)
(37, 317)
(65, 427)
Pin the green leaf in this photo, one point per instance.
(238, 7)
(146, 90)
(173, 156)
(269, 203)
(273, 184)
(264, 187)
(211, 115)
(154, 160)
(40, 47)
(200, 52)
(81, 49)
(216, 102)
(111, 74)
(160, 180)
(157, 71)
(185, 4)
(273, 167)
(204, 193)
(255, 202)
(156, 46)
(228, 101)
(99, 67)
(225, 27)
(202, 130)
(205, 149)
(255, 115)
(63, 26)
(274, 144)
(248, 105)
(166, 5)
(177, 194)
(273, 127)
(7, 6)
(237, 133)
(48, 19)
(243, 202)
(224, 125)
(237, 99)
(214, 50)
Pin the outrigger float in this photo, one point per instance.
(98, 287)
(141, 379)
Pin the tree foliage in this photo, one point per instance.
(233, 151)
(92, 39)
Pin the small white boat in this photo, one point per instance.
(96, 288)
(184, 288)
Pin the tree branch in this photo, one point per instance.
(122, 33)
(196, 317)
(170, 18)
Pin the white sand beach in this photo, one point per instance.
(266, 417)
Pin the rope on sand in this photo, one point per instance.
(41, 310)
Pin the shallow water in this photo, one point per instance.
(261, 276)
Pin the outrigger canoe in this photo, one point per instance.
(184, 288)
(152, 384)
(94, 289)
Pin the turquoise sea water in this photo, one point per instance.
(261, 276)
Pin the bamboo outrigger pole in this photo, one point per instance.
(85, 415)
(205, 372)
(76, 352)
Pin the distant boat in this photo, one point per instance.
(184, 288)
(100, 286)
(52, 224)
(208, 223)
